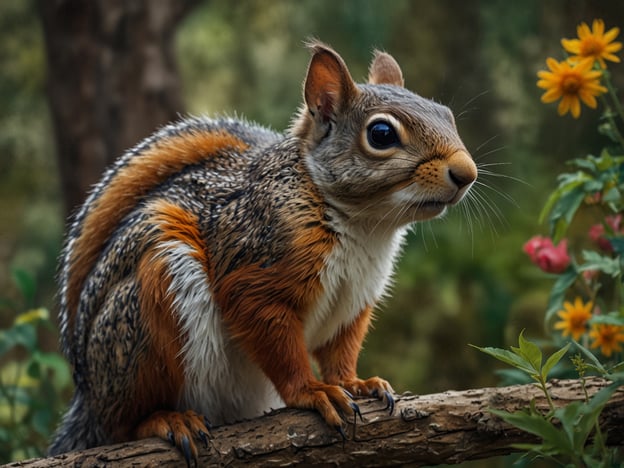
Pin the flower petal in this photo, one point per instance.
(551, 95)
(584, 65)
(564, 106)
(611, 34)
(582, 30)
(588, 99)
(554, 65)
(613, 47)
(598, 27)
(571, 45)
(611, 57)
(546, 75)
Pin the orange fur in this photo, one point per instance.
(264, 309)
(165, 158)
(178, 224)
(338, 359)
(161, 376)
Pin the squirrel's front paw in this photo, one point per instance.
(178, 428)
(327, 400)
(375, 387)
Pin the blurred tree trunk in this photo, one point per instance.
(112, 80)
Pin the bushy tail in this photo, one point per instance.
(79, 429)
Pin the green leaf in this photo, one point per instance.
(601, 398)
(577, 420)
(568, 183)
(562, 214)
(508, 358)
(616, 370)
(530, 351)
(59, 366)
(608, 130)
(590, 357)
(25, 335)
(7, 341)
(553, 360)
(611, 195)
(616, 377)
(607, 319)
(558, 291)
(617, 243)
(25, 283)
(588, 163)
(42, 421)
(34, 370)
(595, 261)
(536, 424)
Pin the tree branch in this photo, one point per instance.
(448, 427)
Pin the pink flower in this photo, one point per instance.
(597, 232)
(547, 256)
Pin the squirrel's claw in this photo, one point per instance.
(186, 450)
(341, 431)
(203, 437)
(356, 411)
(390, 400)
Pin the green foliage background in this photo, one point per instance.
(462, 279)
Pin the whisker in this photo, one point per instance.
(486, 142)
(503, 176)
(474, 98)
(498, 192)
(489, 209)
(478, 157)
(465, 109)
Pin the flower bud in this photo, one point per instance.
(547, 256)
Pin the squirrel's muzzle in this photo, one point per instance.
(462, 172)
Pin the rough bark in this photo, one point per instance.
(448, 427)
(112, 80)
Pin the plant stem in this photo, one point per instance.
(617, 105)
(584, 390)
(608, 114)
(613, 94)
(542, 384)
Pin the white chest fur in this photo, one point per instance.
(355, 276)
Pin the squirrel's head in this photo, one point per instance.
(377, 150)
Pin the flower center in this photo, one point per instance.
(577, 322)
(571, 84)
(590, 47)
(608, 335)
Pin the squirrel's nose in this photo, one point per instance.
(462, 170)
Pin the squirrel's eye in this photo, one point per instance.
(382, 135)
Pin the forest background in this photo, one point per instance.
(462, 279)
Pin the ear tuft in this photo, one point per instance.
(384, 69)
(328, 86)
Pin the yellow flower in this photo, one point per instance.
(32, 316)
(572, 83)
(594, 43)
(607, 338)
(574, 318)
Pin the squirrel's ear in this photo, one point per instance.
(385, 70)
(328, 85)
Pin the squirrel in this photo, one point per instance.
(217, 257)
